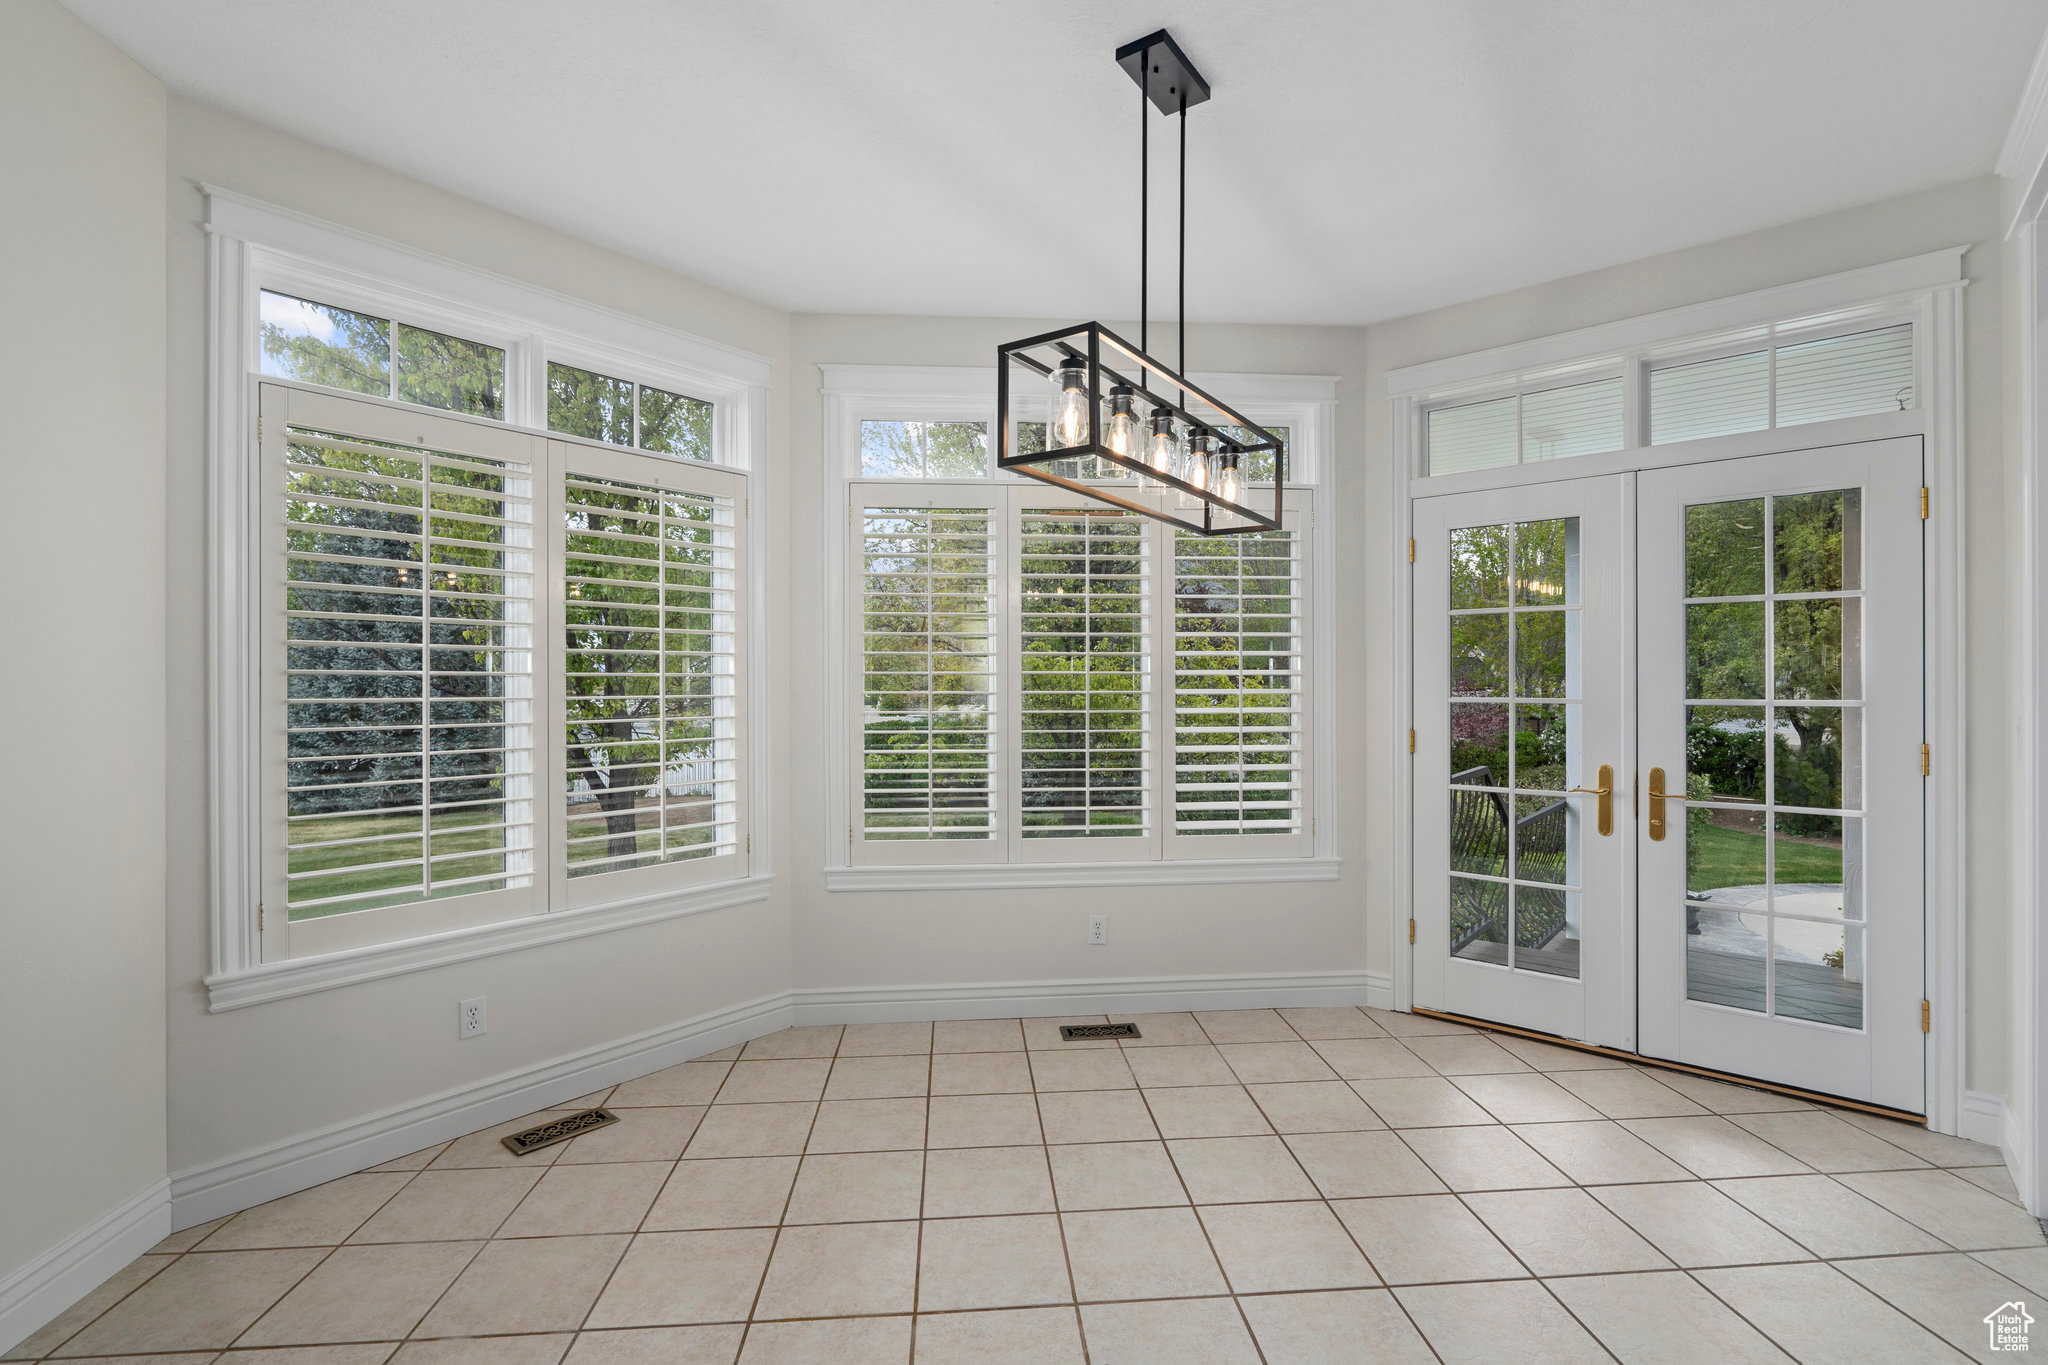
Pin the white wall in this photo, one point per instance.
(249, 1079)
(883, 939)
(81, 666)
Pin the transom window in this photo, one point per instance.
(319, 343)
(1768, 377)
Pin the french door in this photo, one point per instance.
(1743, 638)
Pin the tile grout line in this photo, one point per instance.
(775, 1240)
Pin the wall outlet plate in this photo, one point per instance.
(469, 1018)
(1098, 930)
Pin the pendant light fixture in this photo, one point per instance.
(1086, 410)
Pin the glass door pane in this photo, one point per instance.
(1774, 755)
(1514, 727)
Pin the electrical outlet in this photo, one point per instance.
(469, 1020)
(1098, 930)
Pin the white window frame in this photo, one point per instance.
(853, 394)
(1925, 290)
(255, 247)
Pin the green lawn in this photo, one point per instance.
(400, 839)
(1730, 857)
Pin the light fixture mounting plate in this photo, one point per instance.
(1164, 72)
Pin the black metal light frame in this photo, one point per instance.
(1166, 80)
(1126, 364)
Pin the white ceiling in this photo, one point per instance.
(1361, 159)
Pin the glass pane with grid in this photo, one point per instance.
(1774, 745)
(408, 674)
(927, 722)
(648, 608)
(1084, 692)
(1237, 684)
(1514, 726)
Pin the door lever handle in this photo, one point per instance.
(1656, 803)
(1605, 793)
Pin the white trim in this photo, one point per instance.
(1879, 426)
(304, 975)
(2023, 157)
(2029, 738)
(1007, 876)
(250, 242)
(1938, 354)
(1405, 443)
(223, 1187)
(1989, 1120)
(1870, 287)
(203, 1193)
(1112, 995)
(38, 1293)
(1929, 289)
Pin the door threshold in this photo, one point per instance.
(1726, 1077)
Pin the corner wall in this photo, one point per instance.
(81, 670)
(248, 1080)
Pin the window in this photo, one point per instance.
(924, 450)
(928, 674)
(1783, 386)
(1082, 655)
(1159, 681)
(446, 597)
(621, 412)
(1036, 689)
(321, 344)
(1237, 685)
(1550, 423)
(1765, 377)
(408, 673)
(650, 701)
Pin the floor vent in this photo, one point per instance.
(1074, 1033)
(558, 1130)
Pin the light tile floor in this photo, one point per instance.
(1292, 1186)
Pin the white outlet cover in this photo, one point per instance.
(469, 1018)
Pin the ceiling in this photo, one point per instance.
(1361, 159)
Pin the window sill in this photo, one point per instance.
(1001, 876)
(303, 976)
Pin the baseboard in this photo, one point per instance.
(1379, 990)
(207, 1192)
(67, 1272)
(223, 1187)
(1125, 995)
(1988, 1119)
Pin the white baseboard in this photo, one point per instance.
(207, 1192)
(1989, 1120)
(67, 1272)
(1379, 990)
(1126, 995)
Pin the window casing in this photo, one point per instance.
(513, 743)
(1032, 681)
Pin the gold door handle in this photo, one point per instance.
(1605, 791)
(1657, 803)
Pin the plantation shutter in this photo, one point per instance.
(650, 734)
(927, 767)
(1084, 704)
(402, 648)
(1238, 745)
